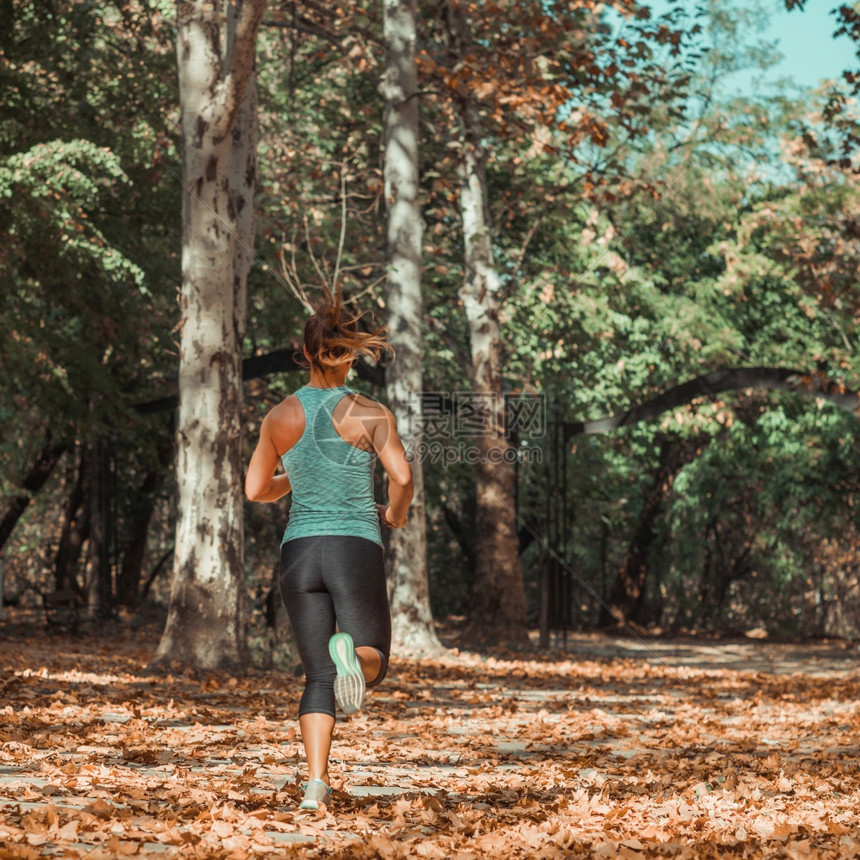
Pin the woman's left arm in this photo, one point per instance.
(261, 482)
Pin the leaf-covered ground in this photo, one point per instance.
(616, 749)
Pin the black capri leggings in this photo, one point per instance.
(330, 580)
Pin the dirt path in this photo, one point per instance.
(816, 659)
(624, 748)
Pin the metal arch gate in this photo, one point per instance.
(554, 580)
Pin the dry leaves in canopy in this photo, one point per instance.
(464, 757)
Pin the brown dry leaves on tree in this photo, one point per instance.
(637, 755)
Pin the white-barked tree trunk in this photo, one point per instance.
(412, 621)
(499, 601)
(216, 47)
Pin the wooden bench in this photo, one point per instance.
(63, 609)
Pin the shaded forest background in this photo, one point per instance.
(649, 231)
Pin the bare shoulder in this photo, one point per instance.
(288, 409)
(285, 422)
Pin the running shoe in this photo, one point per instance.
(349, 684)
(316, 793)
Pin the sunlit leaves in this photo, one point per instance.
(52, 188)
(631, 749)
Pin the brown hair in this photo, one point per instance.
(332, 337)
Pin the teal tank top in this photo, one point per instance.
(331, 480)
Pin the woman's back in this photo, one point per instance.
(330, 462)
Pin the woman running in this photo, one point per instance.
(327, 438)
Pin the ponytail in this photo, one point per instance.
(332, 337)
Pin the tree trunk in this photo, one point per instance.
(412, 620)
(128, 579)
(630, 582)
(100, 587)
(216, 49)
(33, 481)
(76, 530)
(499, 606)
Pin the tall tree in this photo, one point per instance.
(216, 47)
(90, 259)
(413, 628)
(534, 104)
(499, 605)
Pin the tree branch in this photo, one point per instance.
(304, 25)
(728, 379)
(242, 60)
(279, 361)
(33, 481)
(355, 28)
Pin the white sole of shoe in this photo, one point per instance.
(349, 685)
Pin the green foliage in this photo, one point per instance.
(730, 264)
(320, 130)
(90, 237)
(647, 226)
